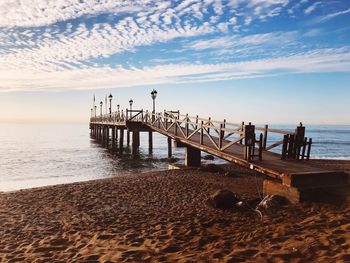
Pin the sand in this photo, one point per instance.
(164, 217)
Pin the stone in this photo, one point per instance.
(213, 168)
(173, 159)
(223, 199)
(271, 202)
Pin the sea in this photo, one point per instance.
(35, 155)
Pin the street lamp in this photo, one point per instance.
(110, 97)
(92, 111)
(154, 96)
(130, 103)
(118, 107)
(101, 104)
(95, 110)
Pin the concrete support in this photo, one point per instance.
(340, 192)
(135, 139)
(127, 138)
(121, 140)
(107, 136)
(113, 137)
(178, 144)
(135, 142)
(192, 157)
(169, 147)
(150, 141)
(103, 135)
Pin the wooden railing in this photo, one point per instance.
(219, 135)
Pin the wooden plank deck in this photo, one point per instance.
(290, 172)
(271, 165)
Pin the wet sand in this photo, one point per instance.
(164, 217)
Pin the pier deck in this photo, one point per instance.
(231, 141)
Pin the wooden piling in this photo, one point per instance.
(192, 157)
(121, 140)
(113, 137)
(127, 138)
(169, 147)
(150, 141)
(135, 142)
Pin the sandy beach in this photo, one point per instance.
(165, 217)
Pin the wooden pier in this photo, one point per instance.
(290, 171)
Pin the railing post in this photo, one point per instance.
(309, 149)
(299, 139)
(186, 126)
(265, 136)
(196, 122)
(242, 130)
(249, 141)
(223, 126)
(209, 122)
(260, 146)
(304, 149)
(175, 126)
(285, 146)
(201, 136)
(220, 136)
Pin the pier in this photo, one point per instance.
(285, 162)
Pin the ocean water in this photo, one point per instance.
(46, 154)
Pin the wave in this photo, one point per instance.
(332, 142)
(331, 157)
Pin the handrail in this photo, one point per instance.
(188, 127)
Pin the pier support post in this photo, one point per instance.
(103, 135)
(169, 147)
(135, 142)
(98, 135)
(107, 136)
(150, 141)
(127, 138)
(121, 140)
(192, 157)
(113, 137)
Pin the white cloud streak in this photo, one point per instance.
(36, 53)
(322, 60)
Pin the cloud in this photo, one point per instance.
(81, 51)
(320, 60)
(333, 15)
(248, 41)
(311, 8)
(46, 12)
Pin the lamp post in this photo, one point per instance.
(95, 111)
(118, 108)
(101, 104)
(130, 103)
(110, 97)
(154, 96)
(92, 112)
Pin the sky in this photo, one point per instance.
(265, 61)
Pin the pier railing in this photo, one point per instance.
(222, 136)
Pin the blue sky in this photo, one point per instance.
(266, 61)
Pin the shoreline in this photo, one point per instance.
(335, 164)
(164, 216)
